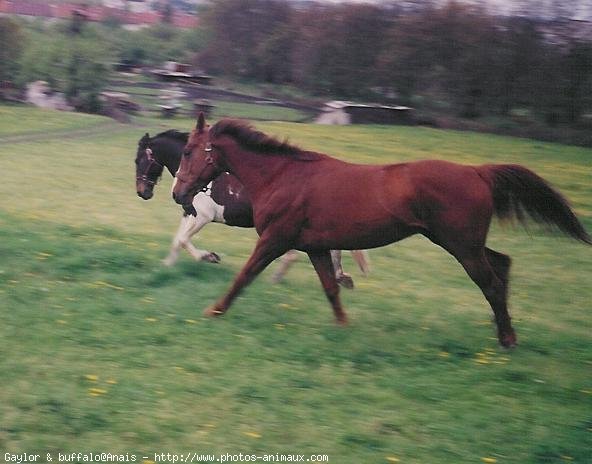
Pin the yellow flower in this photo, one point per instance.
(489, 460)
(96, 391)
(252, 434)
(111, 381)
(91, 377)
(151, 319)
(392, 459)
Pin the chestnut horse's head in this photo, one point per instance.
(148, 169)
(200, 164)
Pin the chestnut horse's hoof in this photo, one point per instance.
(508, 340)
(211, 257)
(213, 311)
(342, 321)
(346, 281)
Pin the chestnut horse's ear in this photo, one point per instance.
(201, 123)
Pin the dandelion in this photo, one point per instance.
(489, 460)
(443, 354)
(253, 434)
(279, 326)
(151, 319)
(148, 461)
(111, 381)
(91, 377)
(96, 391)
(392, 459)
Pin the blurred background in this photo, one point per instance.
(516, 67)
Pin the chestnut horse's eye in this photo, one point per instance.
(186, 152)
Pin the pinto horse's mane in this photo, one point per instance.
(251, 139)
(173, 134)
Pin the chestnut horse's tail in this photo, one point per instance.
(517, 190)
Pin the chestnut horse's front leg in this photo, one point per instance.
(324, 266)
(268, 249)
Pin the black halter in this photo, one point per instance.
(152, 163)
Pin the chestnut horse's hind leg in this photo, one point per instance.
(490, 271)
(267, 249)
(323, 264)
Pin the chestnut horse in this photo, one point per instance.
(313, 202)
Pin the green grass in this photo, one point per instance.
(21, 120)
(103, 349)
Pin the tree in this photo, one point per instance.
(12, 40)
(240, 30)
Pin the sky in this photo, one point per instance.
(574, 9)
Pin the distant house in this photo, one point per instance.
(345, 112)
(132, 17)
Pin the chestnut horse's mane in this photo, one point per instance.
(251, 139)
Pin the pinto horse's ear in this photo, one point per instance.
(201, 123)
(144, 140)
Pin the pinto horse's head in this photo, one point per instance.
(148, 169)
(200, 164)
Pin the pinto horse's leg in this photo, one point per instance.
(267, 249)
(323, 264)
(285, 262)
(343, 278)
(490, 271)
(189, 226)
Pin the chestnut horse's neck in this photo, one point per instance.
(258, 171)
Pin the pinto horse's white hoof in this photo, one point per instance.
(168, 262)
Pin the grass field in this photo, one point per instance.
(105, 350)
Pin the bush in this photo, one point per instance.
(76, 65)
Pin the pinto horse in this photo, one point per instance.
(224, 200)
(313, 202)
